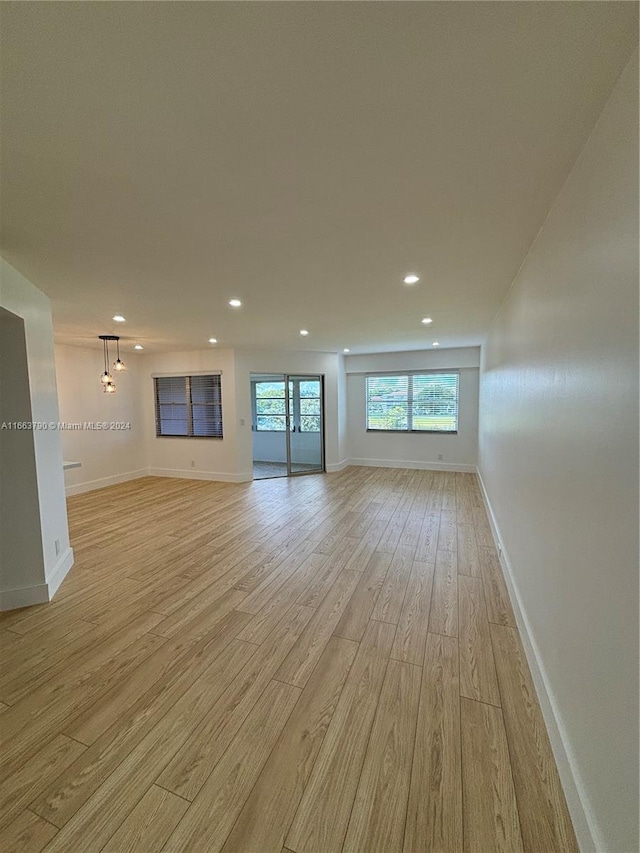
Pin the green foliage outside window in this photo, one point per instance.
(270, 405)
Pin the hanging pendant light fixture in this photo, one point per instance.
(118, 364)
(108, 385)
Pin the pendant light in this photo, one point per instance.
(118, 364)
(106, 379)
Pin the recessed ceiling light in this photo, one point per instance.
(304, 332)
(412, 278)
(435, 344)
(235, 303)
(213, 340)
(427, 320)
(137, 346)
(346, 349)
(118, 318)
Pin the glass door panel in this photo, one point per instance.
(305, 427)
(269, 425)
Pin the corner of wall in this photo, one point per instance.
(59, 572)
(26, 596)
(335, 467)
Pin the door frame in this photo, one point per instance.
(289, 415)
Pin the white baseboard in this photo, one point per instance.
(190, 474)
(26, 596)
(60, 572)
(334, 467)
(584, 825)
(424, 466)
(91, 485)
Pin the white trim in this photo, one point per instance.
(190, 474)
(113, 480)
(181, 374)
(60, 572)
(584, 824)
(334, 467)
(26, 596)
(462, 358)
(413, 372)
(426, 466)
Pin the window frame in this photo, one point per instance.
(254, 406)
(189, 404)
(410, 402)
(296, 406)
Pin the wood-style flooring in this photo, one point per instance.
(316, 664)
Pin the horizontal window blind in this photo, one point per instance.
(387, 402)
(412, 402)
(189, 406)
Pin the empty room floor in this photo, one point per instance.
(324, 663)
(267, 470)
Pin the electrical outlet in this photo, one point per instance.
(439, 457)
(57, 546)
(193, 463)
(241, 421)
(499, 547)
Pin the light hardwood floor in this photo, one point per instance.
(321, 664)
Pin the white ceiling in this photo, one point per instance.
(159, 159)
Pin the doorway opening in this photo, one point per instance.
(287, 424)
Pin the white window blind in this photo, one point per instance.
(189, 406)
(412, 402)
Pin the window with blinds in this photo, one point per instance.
(412, 402)
(189, 406)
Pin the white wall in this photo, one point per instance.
(269, 446)
(258, 361)
(115, 457)
(272, 447)
(21, 557)
(431, 359)
(343, 421)
(107, 456)
(20, 583)
(559, 460)
(201, 458)
(414, 450)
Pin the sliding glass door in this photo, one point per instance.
(305, 433)
(287, 424)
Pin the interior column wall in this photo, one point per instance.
(25, 585)
(21, 557)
